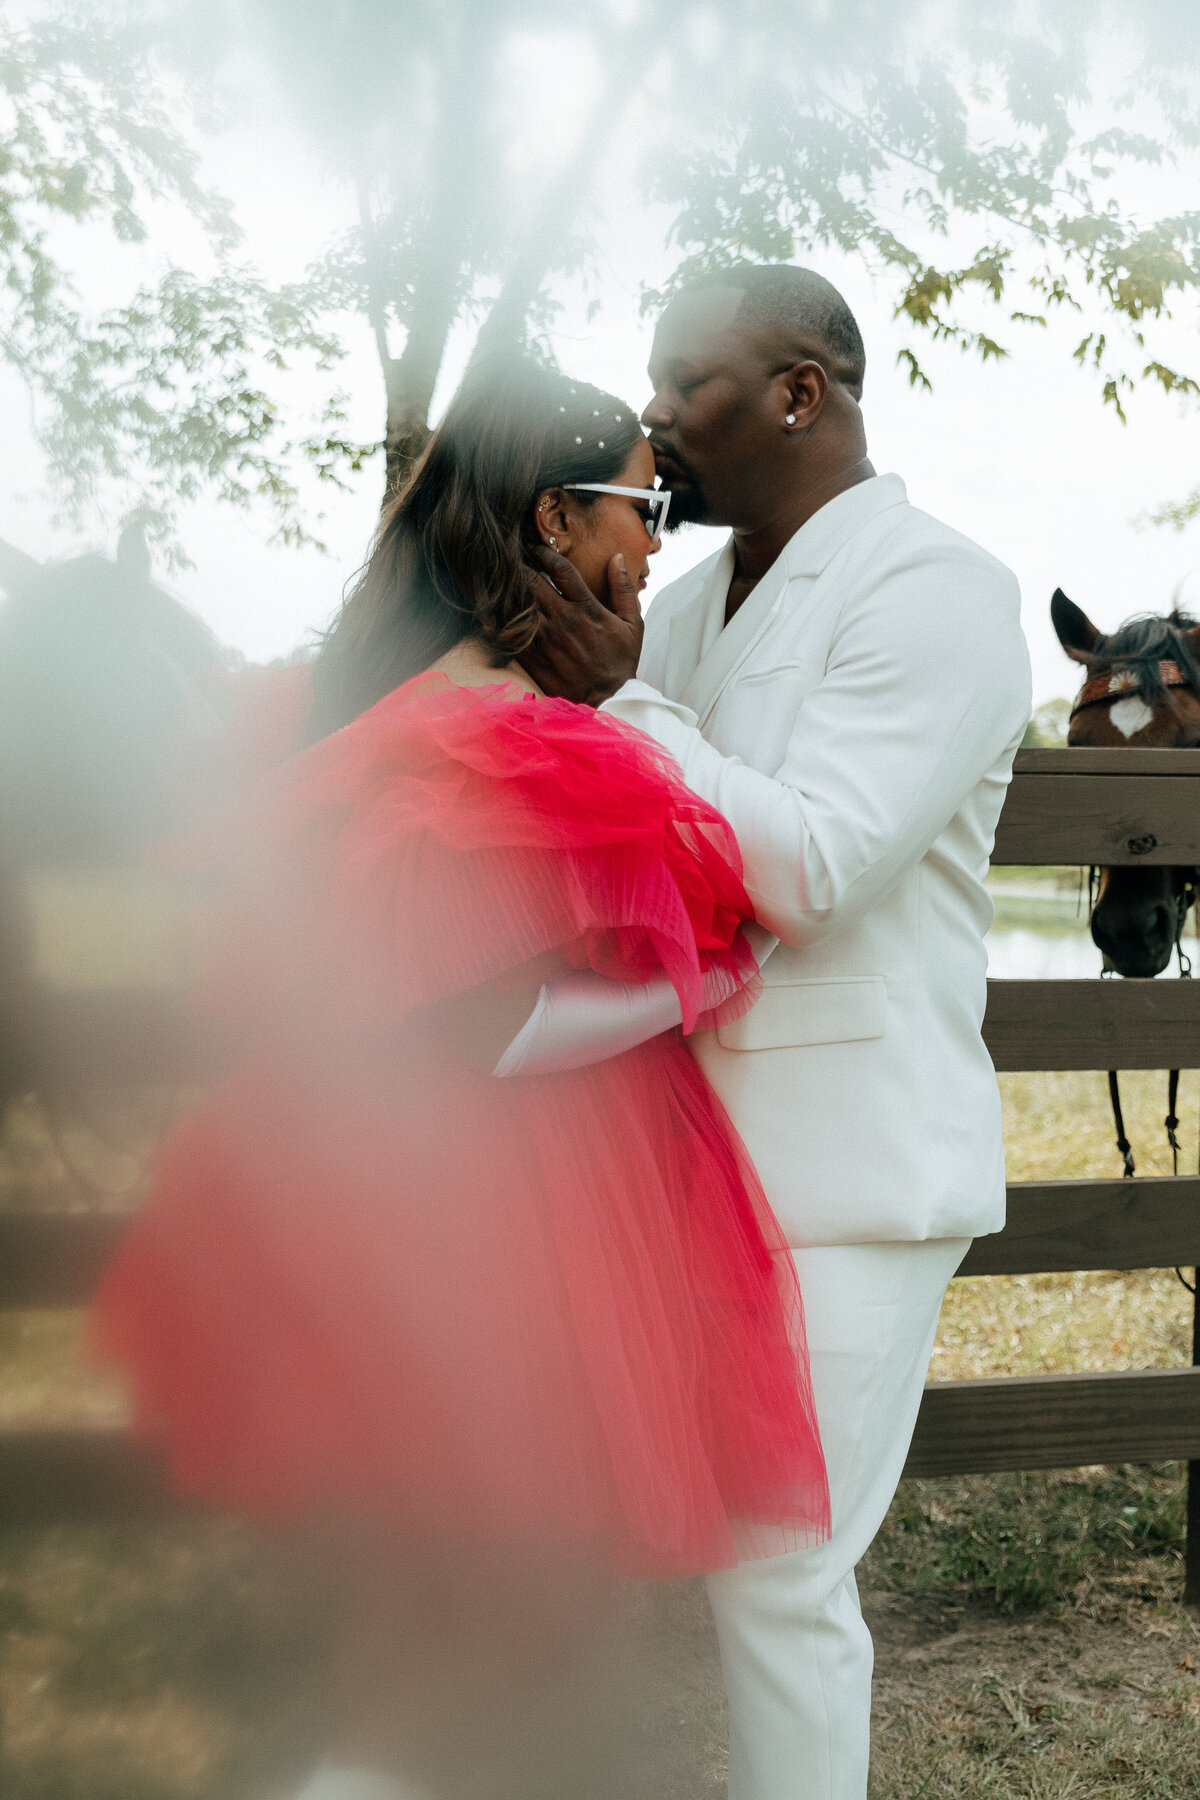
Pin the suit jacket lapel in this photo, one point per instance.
(703, 654)
(695, 625)
(724, 653)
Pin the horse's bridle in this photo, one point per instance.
(1105, 690)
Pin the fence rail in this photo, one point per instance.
(54, 1259)
(965, 1427)
(1101, 806)
(1057, 1422)
(1029, 1025)
(1055, 1227)
(1093, 1024)
(51, 1475)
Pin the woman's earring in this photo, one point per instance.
(553, 542)
(790, 419)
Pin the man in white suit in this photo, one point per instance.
(847, 682)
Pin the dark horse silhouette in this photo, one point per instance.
(110, 691)
(1142, 689)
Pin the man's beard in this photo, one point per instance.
(687, 507)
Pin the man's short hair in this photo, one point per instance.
(800, 307)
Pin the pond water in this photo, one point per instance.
(1039, 933)
(1042, 932)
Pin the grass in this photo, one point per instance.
(1069, 1670)
(161, 1663)
(1059, 1127)
(1080, 1542)
(1044, 1324)
(93, 1151)
(1057, 878)
(995, 1740)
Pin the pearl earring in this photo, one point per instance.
(553, 543)
(790, 419)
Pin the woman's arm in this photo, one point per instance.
(480, 1024)
(580, 1018)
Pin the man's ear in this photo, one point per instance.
(805, 385)
(1076, 633)
(552, 520)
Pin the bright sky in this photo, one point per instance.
(1020, 456)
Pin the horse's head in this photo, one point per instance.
(99, 670)
(1142, 688)
(110, 697)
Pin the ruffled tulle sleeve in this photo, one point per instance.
(452, 835)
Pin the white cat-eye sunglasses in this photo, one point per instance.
(657, 501)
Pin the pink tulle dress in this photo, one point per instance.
(372, 1280)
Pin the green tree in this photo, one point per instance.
(987, 146)
(1047, 730)
(162, 393)
(973, 180)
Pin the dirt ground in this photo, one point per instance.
(180, 1663)
(970, 1700)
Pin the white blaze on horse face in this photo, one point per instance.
(1130, 715)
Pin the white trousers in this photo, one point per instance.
(795, 1650)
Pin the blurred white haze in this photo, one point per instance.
(1020, 454)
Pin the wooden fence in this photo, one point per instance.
(1087, 806)
(1074, 806)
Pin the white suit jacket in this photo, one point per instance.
(856, 723)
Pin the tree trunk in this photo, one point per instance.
(563, 199)
(411, 377)
(441, 242)
(442, 253)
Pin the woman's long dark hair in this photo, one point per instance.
(451, 554)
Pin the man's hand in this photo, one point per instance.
(584, 651)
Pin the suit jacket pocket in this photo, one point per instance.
(778, 672)
(834, 1010)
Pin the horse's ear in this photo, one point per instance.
(16, 569)
(1076, 633)
(133, 553)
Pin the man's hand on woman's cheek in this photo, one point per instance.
(584, 650)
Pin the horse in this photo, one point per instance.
(99, 669)
(1142, 689)
(111, 711)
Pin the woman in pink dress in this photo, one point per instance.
(501, 1332)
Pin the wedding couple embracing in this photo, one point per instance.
(612, 1109)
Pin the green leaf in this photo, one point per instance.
(916, 374)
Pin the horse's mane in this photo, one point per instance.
(93, 593)
(1138, 646)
